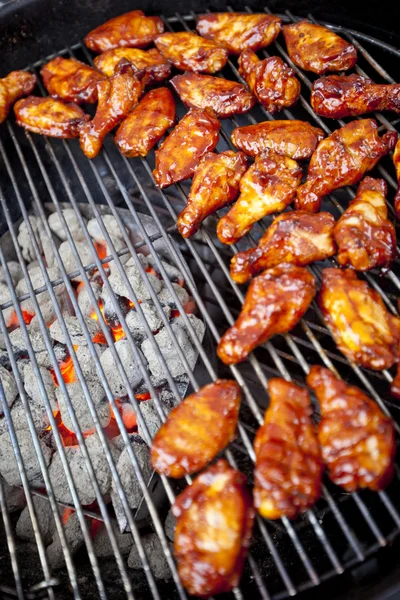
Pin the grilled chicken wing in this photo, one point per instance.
(342, 159)
(296, 139)
(215, 184)
(179, 155)
(362, 327)
(396, 162)
(225, 98)
(213, 530)
(267, 187)
(50, 117)
(297, 237)
(365, 237)
(151, 61)
(357, 440)
(16, 85)
(239, 31)
(130, 30)
(188, 51)
(71, 80)
(316, 48)
(271, 80)
(288, 472)
(275, 301)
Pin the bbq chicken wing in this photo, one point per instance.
(179, 155)
(297, 237)
(316, 48)
(288, 472)
(16, 85)
(215, 184)
(190, 52)
(295, 139)
(225, 98)
(342, 159)
(71, 80)
(271, 80)
(214, 524)
(267, 187)
(130, 30)
(365, 237)
(396, 162)
(151, 61)
(183, 444)
(50, 117)
(239, 31)
(362, 327)
(357, 440)
(275, 301)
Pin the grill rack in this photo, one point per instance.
(290, 354)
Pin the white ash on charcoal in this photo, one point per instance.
(45, 360)
(8, 464)
(68, 258)
(102, 545)
(74, 535)
(5, 296)
(109, 302)
(138, 285)
(32, 387)
(72, 222)
(169, 526)
(15, 272)
(198, 326)
(75, 330)
(9, 388)
(81, 407)
(34, 264)
(2, 341)
(25, 239)
(128, 261)
(155, 556)
(14, 496)
(18, 413)
(129, 363)
(150, 313)
(19, 344)
(174, 274)
(150, 414)
(86, 361)
(85, 302)
(48, 312)
(38, 281)
(165, 296)
(118, 442)
(110, 224)
(44, 515)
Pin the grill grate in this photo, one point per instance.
(286, 557)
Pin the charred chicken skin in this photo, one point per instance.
(362, 327)
(16, 85)
(267, 187)
(214, 524)
(287, 476)
(240, 31)
(342, 159)
(365, 237)
(316, 48)
(50, 117)
(275, 301)
(215, 184)
(396, 162)
(70, 80)
(190, 52)
(357, 440)
(273, 82)
(151, 61)
(297, 237)
(183, 444)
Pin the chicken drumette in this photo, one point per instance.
(188, 51)
(396, 162)
(151, 61)
(70, 80)
(50, 117)
(16, 85)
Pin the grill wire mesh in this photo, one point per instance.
(286, 557)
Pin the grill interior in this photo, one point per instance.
(286, 557)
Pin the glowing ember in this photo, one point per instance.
(66, 515)
(118, 333)
(128, 416)
(153, 272)
(14, 322)
(101, 250)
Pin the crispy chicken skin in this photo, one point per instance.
(225, 98)
(342, 159)
(365, 237)
(188, 51)
(71, 80)
(272, 81)
(16, 85)
(50, 117)
(239, 31)
(130, 30)
(362, 327)
(268, 186)
(338, 96)
(296, 139)
(215, 184)
(275, 301)
(287, 476)
(315, 48)
(296, 237)
(147, 123)
(396, 162)
(357, 440)
(214, 524)
(179, 155)
(152, 61)
(183, 445)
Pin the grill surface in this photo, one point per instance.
(286, 557)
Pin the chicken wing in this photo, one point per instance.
(288, 471)
(147, 123)
(275, 301)
(71, 80)
(273, 83)
(396, 162)
(225, 98)
(179, 155)
(151, 61)
(296, 139)
(365, 237)
(215, 184)
(342, 159)
(214, 524)
(130, 30)
(357, 440)
(297, 237)
(188, 51)
(267, 187)
(50, 117)
(16, 85)
(239, 31)
(362, 327)
(316, 48)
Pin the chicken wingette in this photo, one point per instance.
(396, 162)
(71, 80)
(14, 86)
(190, 52)
(50, 117)
(151, 61)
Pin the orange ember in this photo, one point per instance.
(66, 515)
(153, 272)
(101, 250)
(14, 322)
(118, 333)
(144, 396)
